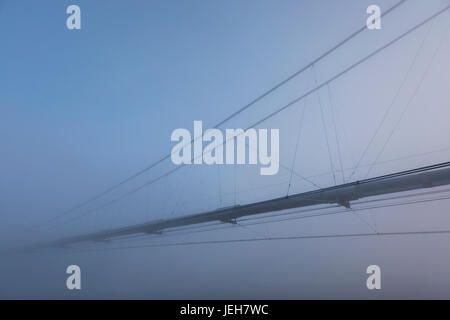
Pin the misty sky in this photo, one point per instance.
(81, 110)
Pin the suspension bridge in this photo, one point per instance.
(340, 197)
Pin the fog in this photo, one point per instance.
(81, 110)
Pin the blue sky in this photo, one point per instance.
(80, 110)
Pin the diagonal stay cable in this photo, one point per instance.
(338, 145)
(393, 101)
(408, 105)
(324, 126)
(300, 127)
